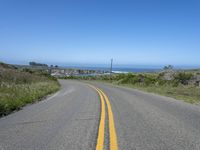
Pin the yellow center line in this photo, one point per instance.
(100, 139)
(112, 130)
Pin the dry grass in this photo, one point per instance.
(190, 94)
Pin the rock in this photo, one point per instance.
(168, 75)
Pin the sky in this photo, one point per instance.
(91, 32)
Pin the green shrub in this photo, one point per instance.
(183, 78)
(149, 80)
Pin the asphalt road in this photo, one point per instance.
(69, 120)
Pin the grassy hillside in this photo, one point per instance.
(19, 87)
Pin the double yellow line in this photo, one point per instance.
(112, 132)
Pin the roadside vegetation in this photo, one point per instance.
(20, 87)
(184, 85)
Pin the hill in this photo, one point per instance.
(19, 87)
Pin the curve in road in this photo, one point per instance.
(70, 120)
(113, 136)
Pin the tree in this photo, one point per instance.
(169, 67)
(32, 63)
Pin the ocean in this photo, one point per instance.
(118, 69)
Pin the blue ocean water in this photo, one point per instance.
(136, 69)
(118, 69)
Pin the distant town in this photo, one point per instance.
(58, 71)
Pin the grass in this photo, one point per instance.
(188, 94)
(18, 88)
(13, 97)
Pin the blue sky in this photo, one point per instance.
(74, 32)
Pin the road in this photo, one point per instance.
(75, 119)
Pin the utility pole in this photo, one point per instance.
(50, 69)
(111, 68)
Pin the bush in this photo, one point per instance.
(183, 78)
(149, 80)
